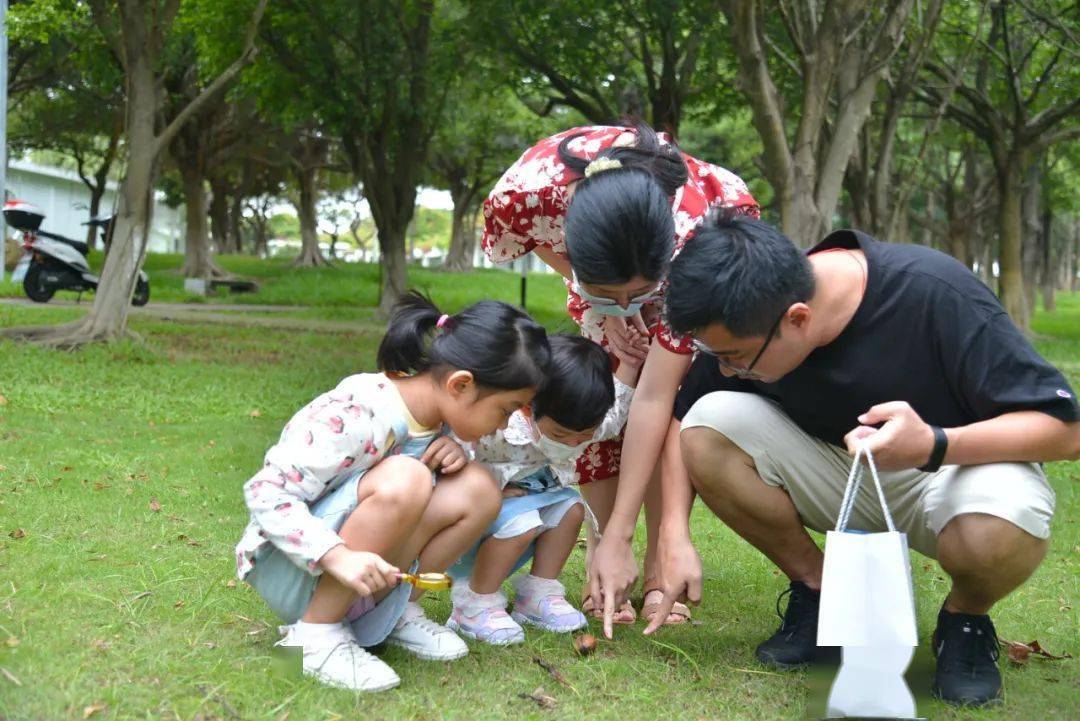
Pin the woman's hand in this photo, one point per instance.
(445, 455)
(627, 337)
(513, 492)
(366, 573)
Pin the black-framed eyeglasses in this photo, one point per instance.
(748, 371)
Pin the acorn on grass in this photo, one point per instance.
(584, 644)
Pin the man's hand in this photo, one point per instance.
(366, 573)
(445, 455)
(904, 441)
(628, 338)
(678, 572)
(612, 575)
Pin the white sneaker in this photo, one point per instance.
(332, 656)
(420, 636)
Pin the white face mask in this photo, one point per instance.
(557, 452)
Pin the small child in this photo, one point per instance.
(534, 459)
(348, 496)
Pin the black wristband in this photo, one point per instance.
(937, 455)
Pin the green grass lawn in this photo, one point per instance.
(120, 476)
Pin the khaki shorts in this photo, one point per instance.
(814, 474)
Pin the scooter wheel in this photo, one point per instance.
(142, 293)
(34, 284)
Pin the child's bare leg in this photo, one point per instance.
(461, 509)
(553, 547)
(495, 560)
(392, 498)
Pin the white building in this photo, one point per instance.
(65, 200)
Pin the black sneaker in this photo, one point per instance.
(795, 643)
(966, 647)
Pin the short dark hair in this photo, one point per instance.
(738, 271)
(500, 344)
(619, 222)
(579, 389)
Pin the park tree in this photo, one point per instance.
(648, 59)
(381, 93)
(72, 108)
(483, 132)
(138, 34)
(810, 73)
(1020, 99)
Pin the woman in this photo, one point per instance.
(608, 207)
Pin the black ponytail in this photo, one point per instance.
(500, 344)
(619, 224)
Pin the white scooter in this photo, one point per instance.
(56, 262)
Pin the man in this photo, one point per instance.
(898, 347)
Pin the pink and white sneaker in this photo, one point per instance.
(541, 602)
(483, 617)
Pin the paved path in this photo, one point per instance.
(224, 314)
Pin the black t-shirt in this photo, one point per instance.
(927, 332)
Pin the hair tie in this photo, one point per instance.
(600, 165)
(443, 319)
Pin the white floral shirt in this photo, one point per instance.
(343, 432)
(513, 453)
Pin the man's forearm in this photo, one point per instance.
(1028, 436)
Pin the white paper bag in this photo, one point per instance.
(868, 608)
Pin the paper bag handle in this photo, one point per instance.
(853, 482)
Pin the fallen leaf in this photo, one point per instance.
(155, 506)
(98, 486)
(92, 709)
(2, 468)
(3, 401)
(1019, 653)
(18, 533)
(66, 469)
(10, 676)
(12, 642)
(100, 644)
(179, 604)
(231, 583)
(255, 413)
(542, 699)
(184, 537)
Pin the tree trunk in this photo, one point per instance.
(1010, 228)
(1049, 268)
(462, 240)
(219, 215)
(1074, 255)
(236, 237)
(392, 265)
(197, 254)
(310, 255)
(96, 193)
(1030, 250)
(107, 319)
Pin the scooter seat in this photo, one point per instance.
(78, 245)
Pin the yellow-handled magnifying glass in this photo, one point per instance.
(428, 581)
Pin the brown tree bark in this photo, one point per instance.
(807, 171)
(310, 254)
(462, 238)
